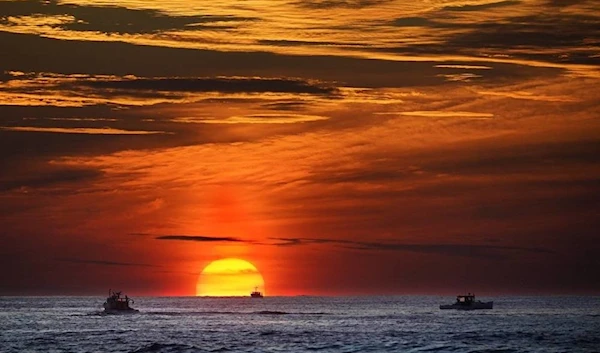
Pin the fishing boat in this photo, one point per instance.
(256, 293)
(468, 302)
(117, 303)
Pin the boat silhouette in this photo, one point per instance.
(117, 304)
(468, 302)
(256, 293)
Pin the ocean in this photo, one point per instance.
(300, 324)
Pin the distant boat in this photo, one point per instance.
(256, 293)
(117, 304)
(468, 302)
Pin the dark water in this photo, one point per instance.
(294, 324)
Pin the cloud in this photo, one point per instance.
(295, 42)
(413, 22)
(84, 89)
(330, 4)
(120, 59)
(528, 96)
(445, 114)
(520, 37)
(481, 7)
(219, 84)
(468, 250)
(369, 173)
(265, 119)
(107, 19)
(565, 3)
(533, 37)
(81, 130)
(461, 77)
(467, 67)
(104, 262)
(292, 105)
(25, 179)
(308, 241)
(77, 119)
(199, 238)
(519, 158)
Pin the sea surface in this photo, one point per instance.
(300, 324)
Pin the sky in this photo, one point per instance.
(341, 147)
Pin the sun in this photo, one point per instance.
(229, 277)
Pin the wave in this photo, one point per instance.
(104, 313)
(268, 333)
(275, 312)
(270, 312)
(331, 346)
(200, 313)
(176, 348)
(436, 348)
(165, 347)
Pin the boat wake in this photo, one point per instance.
(201, 313)
(166, 347)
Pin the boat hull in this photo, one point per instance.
(121, 311)
(471, 306)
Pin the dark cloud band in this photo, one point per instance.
(200, 238)
(225, 85)
(469, 250)
(114, 19)
(103, 262)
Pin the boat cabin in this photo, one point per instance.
(467, 299)
(256, 293)
(468, 302)
(116, 302)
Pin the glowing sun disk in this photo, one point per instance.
(229, 277)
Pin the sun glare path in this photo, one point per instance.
(229, 277)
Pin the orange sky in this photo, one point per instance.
(341, 147)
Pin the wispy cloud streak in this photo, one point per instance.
(104, 262)
(469, 250)
(200, 238)
(86, 131)
(21, 88)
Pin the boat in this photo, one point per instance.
(468, 302)
(117, 304)
(256, 293)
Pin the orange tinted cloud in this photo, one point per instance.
(380, 150)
